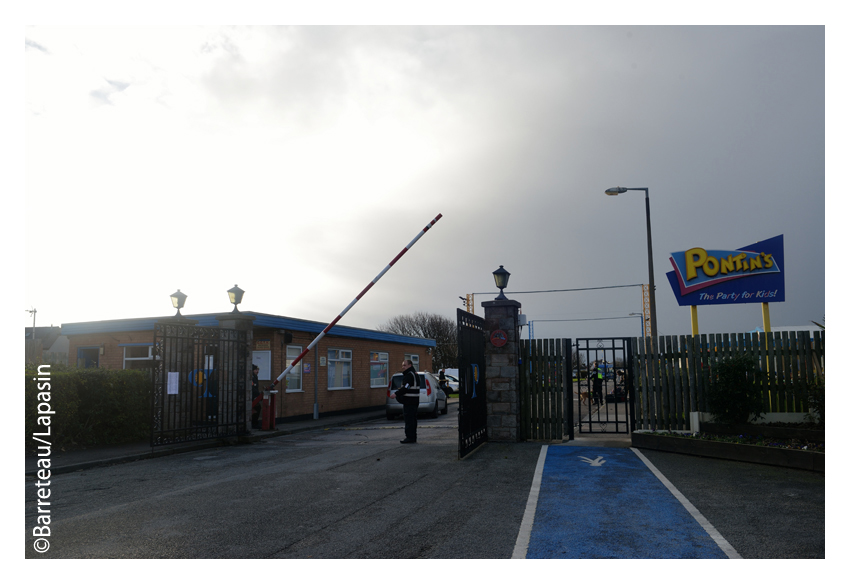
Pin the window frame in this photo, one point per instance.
(340, 359)
(380, 361)
(297, 367)
(126, 346)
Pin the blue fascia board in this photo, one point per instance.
(261, 320)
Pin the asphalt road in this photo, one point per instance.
(356, 492)
(352, 492)
(762, 511)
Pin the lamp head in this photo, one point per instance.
(501, 276)
(235, 294)
(614, 191)
(178, 299)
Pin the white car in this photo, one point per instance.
(453, 383)
(432, 399)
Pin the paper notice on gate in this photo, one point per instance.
(173, 382)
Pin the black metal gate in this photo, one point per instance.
(472, 406)
(200, 383)
(604, 386)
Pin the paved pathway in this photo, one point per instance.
(624, 508)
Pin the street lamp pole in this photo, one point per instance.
(653, 325)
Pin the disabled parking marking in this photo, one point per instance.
(623, 508)
(598, 462)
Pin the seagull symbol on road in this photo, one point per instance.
(598, 462)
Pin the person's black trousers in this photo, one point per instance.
(410, 412)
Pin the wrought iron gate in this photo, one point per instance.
(604, 386)
(472, 406)
(200, 383)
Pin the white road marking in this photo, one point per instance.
(521, 547)
(709, 528)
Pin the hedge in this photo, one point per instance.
(94, 407)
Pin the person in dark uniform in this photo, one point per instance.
(255, 393)
(408, 395)
(443, 383)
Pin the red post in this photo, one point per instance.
(269, 413)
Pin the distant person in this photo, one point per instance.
(443, 384)
(596, 379)
(408, 396)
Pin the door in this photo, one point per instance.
(604, 387)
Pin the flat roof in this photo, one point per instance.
(261, 321)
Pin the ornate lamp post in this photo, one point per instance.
(178, 299)
(235, 294)
(501, 276)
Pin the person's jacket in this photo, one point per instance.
(409, 389)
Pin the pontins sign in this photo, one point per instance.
(753, 273)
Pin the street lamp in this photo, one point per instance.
(653, 320)
(501, 276)
(235, 294)
(178, 299)
(642, 322)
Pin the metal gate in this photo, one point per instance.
(200, 383)
(545, 389)
(472, 406)
(604, 386)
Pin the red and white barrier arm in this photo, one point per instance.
(353, 302)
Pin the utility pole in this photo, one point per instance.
(30, 348)
(469, 302)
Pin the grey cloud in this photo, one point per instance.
(102, 95)
(30, 44)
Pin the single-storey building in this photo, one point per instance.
(348, 370)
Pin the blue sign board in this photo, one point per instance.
(753, 273)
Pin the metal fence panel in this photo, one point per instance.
(200, 378)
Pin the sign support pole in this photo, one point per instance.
(765, 316)
(694, 321)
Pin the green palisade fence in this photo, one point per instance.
(545, 386)
(671, 373)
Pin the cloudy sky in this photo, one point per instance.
(298, 161)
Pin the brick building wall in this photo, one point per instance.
(110, 350)
(111, 354)
(360, 395)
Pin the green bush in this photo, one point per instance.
(816, 400)
(94, 407)
(734, 393)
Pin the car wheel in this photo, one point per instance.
(436, 412)
(445, 410)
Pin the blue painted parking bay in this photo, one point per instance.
(612, 503)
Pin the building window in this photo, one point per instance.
(379, 369)
(414, 359)
(293, 378)
(88, 357)
(138, 356)
(339, 369)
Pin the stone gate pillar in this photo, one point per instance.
(501, 356)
